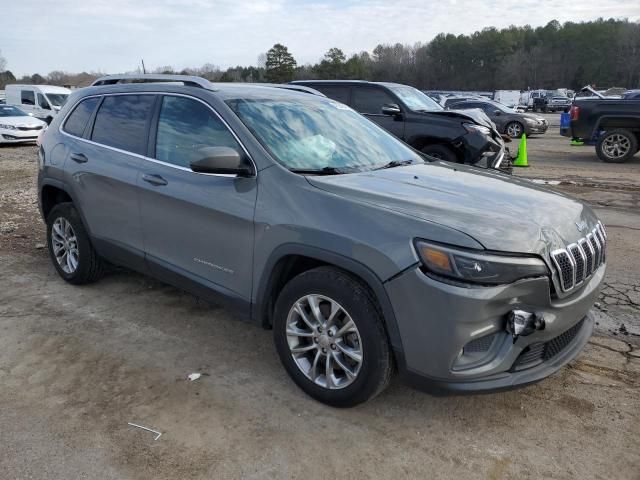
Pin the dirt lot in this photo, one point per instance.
(78, 363)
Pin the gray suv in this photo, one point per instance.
(311, 220)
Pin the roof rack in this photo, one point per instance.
(187, 80)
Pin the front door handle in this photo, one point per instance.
(153, 179)
(79, 157)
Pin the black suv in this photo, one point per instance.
(411, 115)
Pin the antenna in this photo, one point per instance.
(143, 69)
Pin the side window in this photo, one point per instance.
(121, 122)
(43, 102)
(185, 126)
(77, 121)
(27, 97)
(370, 100)
(337, 93)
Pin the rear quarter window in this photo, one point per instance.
(340, 94)
(77, 121)
(121, 122)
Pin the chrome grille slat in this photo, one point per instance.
(578, 261)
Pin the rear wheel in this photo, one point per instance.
(514, 129)
(331, 339)
(441, 152)
(617, 146)
(70, 248)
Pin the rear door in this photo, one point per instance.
(369, 100)
(196, 225)
(102, 168)
(339, 93)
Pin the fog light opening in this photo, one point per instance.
(523, 323)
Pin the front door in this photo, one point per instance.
(43, 109)
(197, 225)
(369, 100)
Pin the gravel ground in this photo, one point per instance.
(78, 363)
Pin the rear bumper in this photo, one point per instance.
(439, 322)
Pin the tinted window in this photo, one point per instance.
(370, 100)
(121, 122)
(28, 97)
(185, 127)
(80, 116)
(340, 94)
(43, 102)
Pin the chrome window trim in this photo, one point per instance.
(153, 160)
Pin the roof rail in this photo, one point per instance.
(187, 80)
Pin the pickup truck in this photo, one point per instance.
(611, 124)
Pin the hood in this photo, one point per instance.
(22, 121)
(532, 116)
(474, 114)
(501, 212)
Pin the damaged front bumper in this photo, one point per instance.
(457, 339)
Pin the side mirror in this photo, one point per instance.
(497, 112)
(221, 160)
(391, 109)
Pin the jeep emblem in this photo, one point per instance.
(581, 225)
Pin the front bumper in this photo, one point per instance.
(484, 150)
(538, 128)
(438, 322)
(19, 136)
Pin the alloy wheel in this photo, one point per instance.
(65, 245)
(616, 146)
(324, 341)
(514, 130)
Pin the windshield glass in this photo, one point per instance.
(313, 134)
(7, 111)
(57, 99)
(415, 99)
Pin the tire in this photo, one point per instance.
(514, 129)
(441, 152)
(331, 287)
(617, 146)
(89, 267)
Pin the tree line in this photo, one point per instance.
(604, 53)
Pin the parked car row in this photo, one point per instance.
(16, 126)
(315, 222)
(462, 137)
(41, 101)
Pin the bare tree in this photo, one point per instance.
(3, 62)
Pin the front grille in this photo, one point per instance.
(536, 353)
(580, 260)
(26, 129)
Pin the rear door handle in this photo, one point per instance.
(79, 157)
(153, 179)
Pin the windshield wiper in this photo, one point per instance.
(318, 171)
(394, 163)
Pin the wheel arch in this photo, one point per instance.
(289, 260)
(612, 122)
(53, 192)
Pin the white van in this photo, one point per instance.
(41, 101)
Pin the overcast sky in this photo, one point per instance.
(112, 36)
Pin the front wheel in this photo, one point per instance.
(331, 339)
(441, 152)
(514, 129)
(617, 146)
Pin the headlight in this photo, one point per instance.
(476, 267)
(473, 128)
(8, 127)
